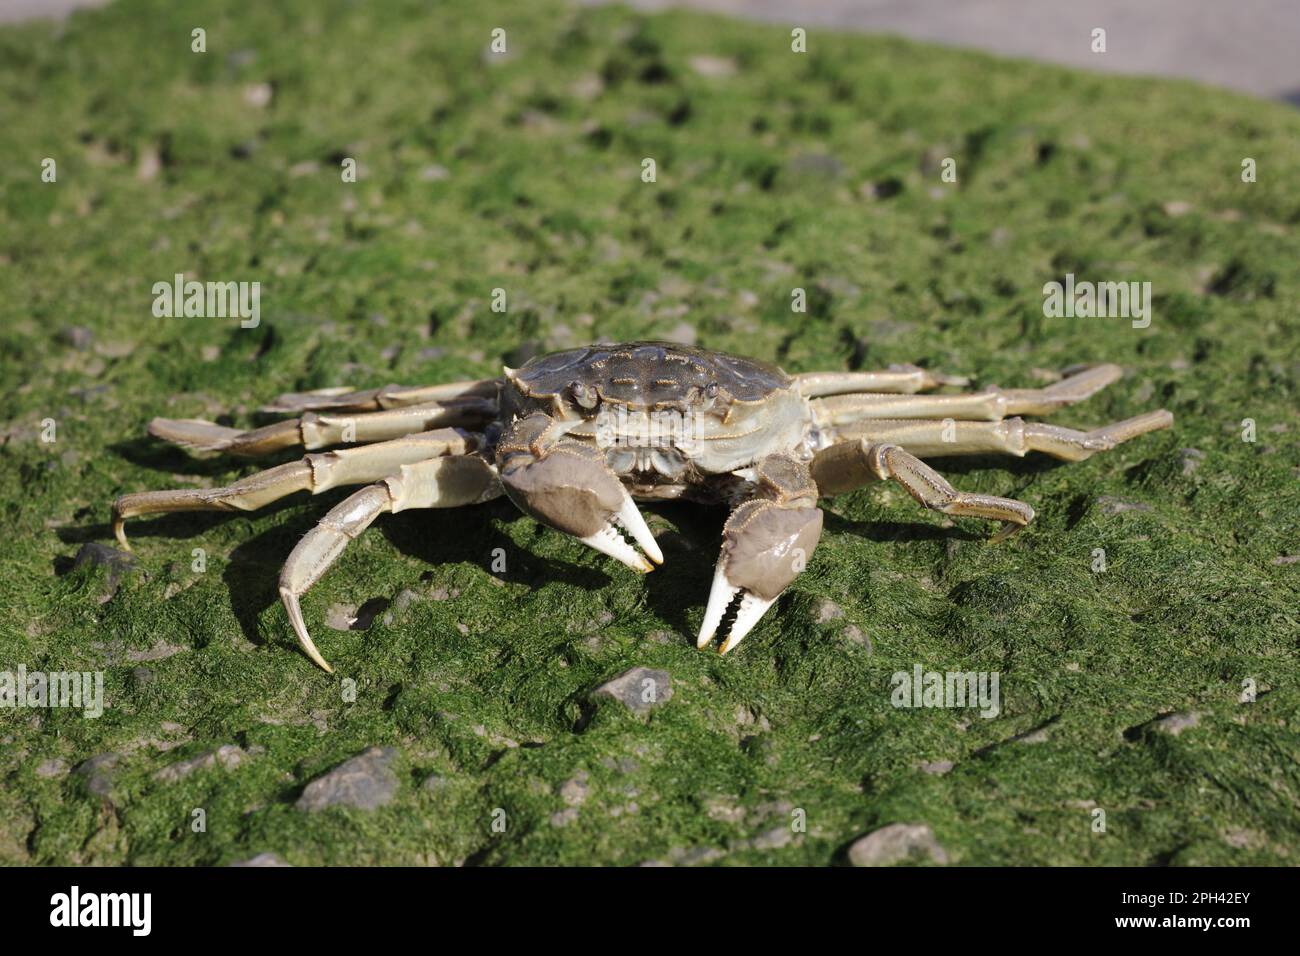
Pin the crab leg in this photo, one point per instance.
(318, 431)
(447, 482)
(568, 486)
(992, 404)
(766, 542)
(1013, 436)
(314, 473)
(375, 399)
(850, 465)
(902, 379)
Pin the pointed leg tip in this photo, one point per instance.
(119, 532)
(1008, 529)
(290, 601)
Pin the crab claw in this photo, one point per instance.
(765, 545)
(571, 489)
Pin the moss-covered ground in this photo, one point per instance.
(1125, 690)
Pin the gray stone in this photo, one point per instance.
(773, 839)
(158, 652)
(691, 856)
(56, 767)
(78, 336)
(683, 333)
(725, 810)
(1192, 458)
(1112, 506)
(1175, 724)
(937, 767)
(228, 756)
(405, 598)
(118, 563)
(713, 66)
(639, 689)
(828, 611)
(98, 773)
(1038, 736)
(263, 859)
(564, 817)
(896, 843)
(365, 782)
(348, 617)
(574, 791)
(854, 633)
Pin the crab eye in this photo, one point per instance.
(584, 395)
(702, 399)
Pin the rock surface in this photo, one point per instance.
(896, 843)
(365, 782)
(639, 690)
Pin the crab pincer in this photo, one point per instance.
(569, 487)
(766, 542)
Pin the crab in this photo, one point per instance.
(576, 438)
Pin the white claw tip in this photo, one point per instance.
(629, 516)
(610, 542)
(720, 597)
(752, 609)
(300, 629)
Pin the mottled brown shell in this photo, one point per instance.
(646, 374)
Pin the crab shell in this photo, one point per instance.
(729, 411)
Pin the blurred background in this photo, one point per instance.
(1247, 45)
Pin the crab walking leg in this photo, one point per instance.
(314, 473)
(850, 465)
(318, 431)
(1013, 436)
(568, 486)
(899, 379)
(766, 542)
(992, 404)
(433, 483)
(376, 399)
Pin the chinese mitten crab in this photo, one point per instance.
(575, 438)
